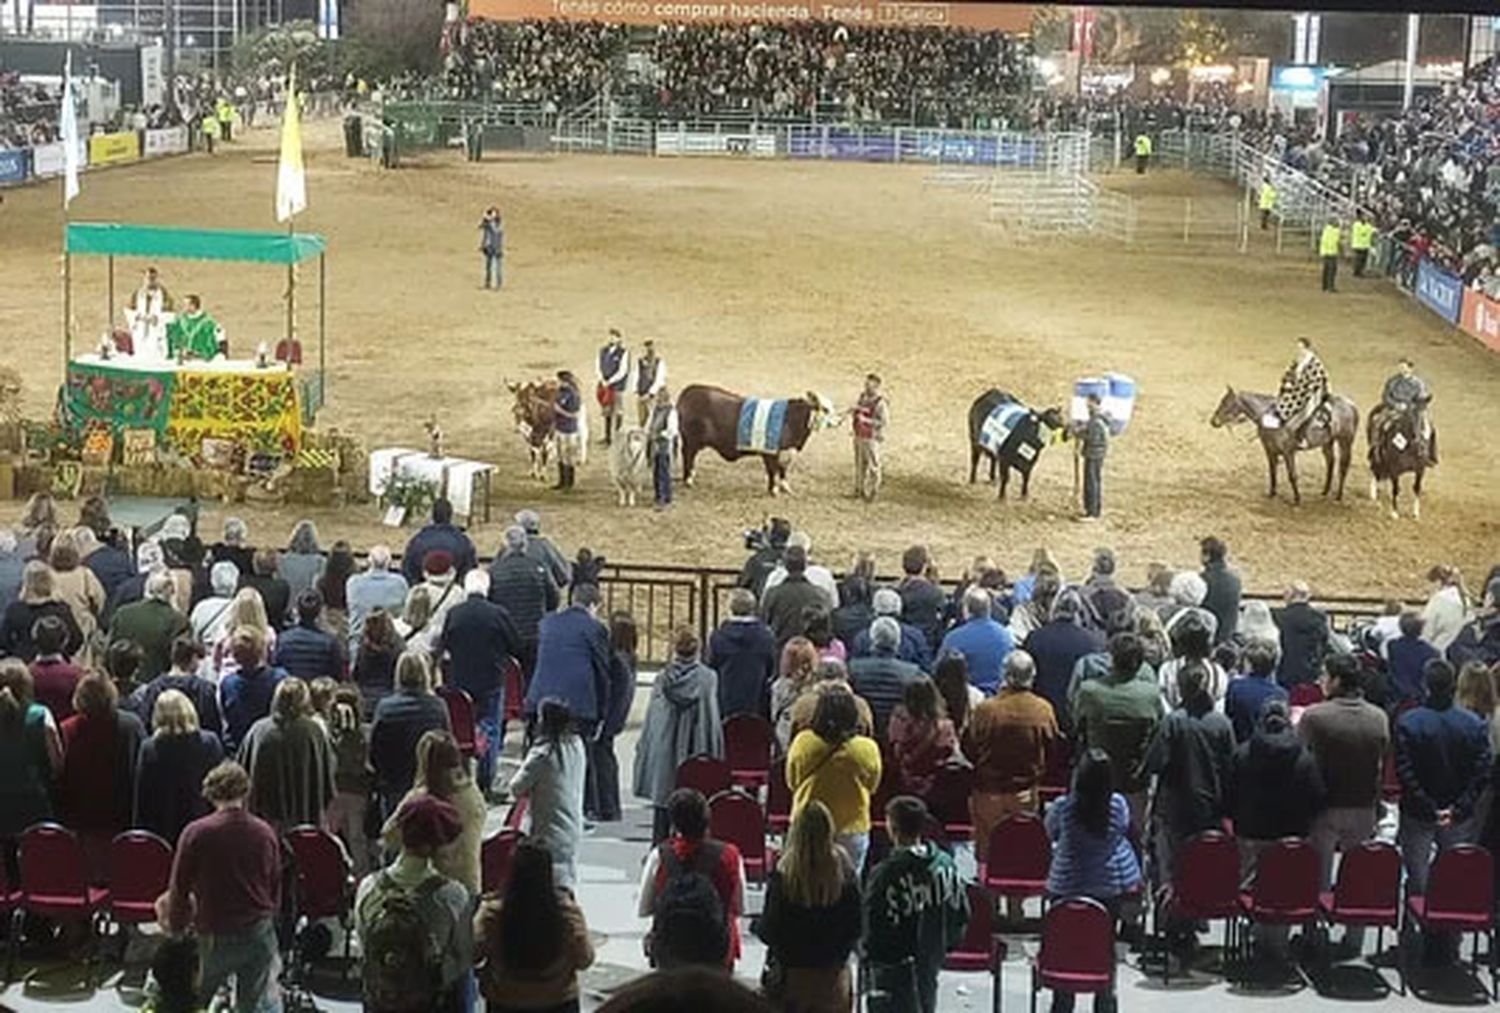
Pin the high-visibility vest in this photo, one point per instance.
(210, 126)
(1328, 242)
(1143, 145)
(226, 111)
(1267, 197)
(1361, 235)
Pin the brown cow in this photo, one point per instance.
(536, 421)
(709, 417)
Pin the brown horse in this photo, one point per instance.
(1332, 429)
(1397, 447)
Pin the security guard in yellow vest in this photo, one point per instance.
(1328, 248)
(1361, 240)
(1142, 151)
(1266, 202)
(209, 128)
(225, 111)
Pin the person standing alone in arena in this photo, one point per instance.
(661, 437)
(1095, 445)
(568, 407)
(1142, 152)
(1328, 249)
(492, 245)
(870, 416)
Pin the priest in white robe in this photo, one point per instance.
(148, 313)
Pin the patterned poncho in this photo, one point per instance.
(1303, 388)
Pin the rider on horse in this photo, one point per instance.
(1406, 392)
(1304, 388)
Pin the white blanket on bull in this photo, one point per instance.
(761, 425)
(1011, 428)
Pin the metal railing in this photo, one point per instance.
(663, 597)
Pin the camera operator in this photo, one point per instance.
(766, 545)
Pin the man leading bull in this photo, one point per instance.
(1304, 388)
(1406, 392)
(614, 377)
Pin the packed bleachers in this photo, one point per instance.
(28, 113)
(918, 75)
(354, 695)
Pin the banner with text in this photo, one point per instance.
(876, 13)
(170, 141)
(1481, 318)
(14, 163)
(905, 144)
(107, 149)
(744, 144)
(47, 159)
(1439, 291)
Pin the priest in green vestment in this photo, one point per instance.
(194, 334)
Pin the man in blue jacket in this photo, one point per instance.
(1056, 647)
(1443, 762)
(743, 652)
(572, 661)
(307, 650)
(480, 640)
(914, 647)
(984, 643)
(440, 534)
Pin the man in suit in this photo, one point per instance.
(480, 640)
(1304, 637)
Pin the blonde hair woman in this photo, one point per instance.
(400, 721)
(812, 919)
(38, 598)
(169, 773)
(799, 663)
(442, 773)
(75, 584)
(246, 609)
(415, 625)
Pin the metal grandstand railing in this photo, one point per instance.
(663, 597)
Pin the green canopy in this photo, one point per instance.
(164, 242)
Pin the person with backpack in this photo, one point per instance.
(532, 941)
(414, 924)
(916, 910)
(693, 890)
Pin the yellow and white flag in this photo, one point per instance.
(291, 178)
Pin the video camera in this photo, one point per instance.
(772, 534)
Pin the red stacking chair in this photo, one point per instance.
(1305, 694)
(1078, 949)
(325, 878)
(779, 799)
(976, 950)
(461, 716)
(515, 690)
(10, 900)
(1460, 900)
(1286, 886)
(948, 801)
(497, 856)
(747, 747)
(140, 866)
(1018, 858)
(1205, 885)
(735, 817)
(708, 774)
(54, 883)
(1368, 893)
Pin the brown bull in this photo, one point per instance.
(536, 421)
(709, 418)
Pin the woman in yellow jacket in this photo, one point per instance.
(832, 763)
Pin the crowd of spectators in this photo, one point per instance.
(922, 75)
(28, 113)
(551, 63)
(220, 695)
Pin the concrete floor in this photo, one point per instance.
(609, 868)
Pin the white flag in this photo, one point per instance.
(291, 179)
(69, 127)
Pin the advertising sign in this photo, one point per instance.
(1481, 318)
(687, 142)
(1439, 291)
(13, 165)
(107, 149)
(47, 159)
(170, 141)
(1003, 17)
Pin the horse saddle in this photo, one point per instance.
(1316, 430)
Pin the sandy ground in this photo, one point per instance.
(775, 278)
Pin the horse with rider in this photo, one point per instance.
(1401, 436)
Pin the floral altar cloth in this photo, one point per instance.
(259, 409)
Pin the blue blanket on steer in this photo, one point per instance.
(761, 425)
(1002, 424)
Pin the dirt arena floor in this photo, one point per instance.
(775, 278)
